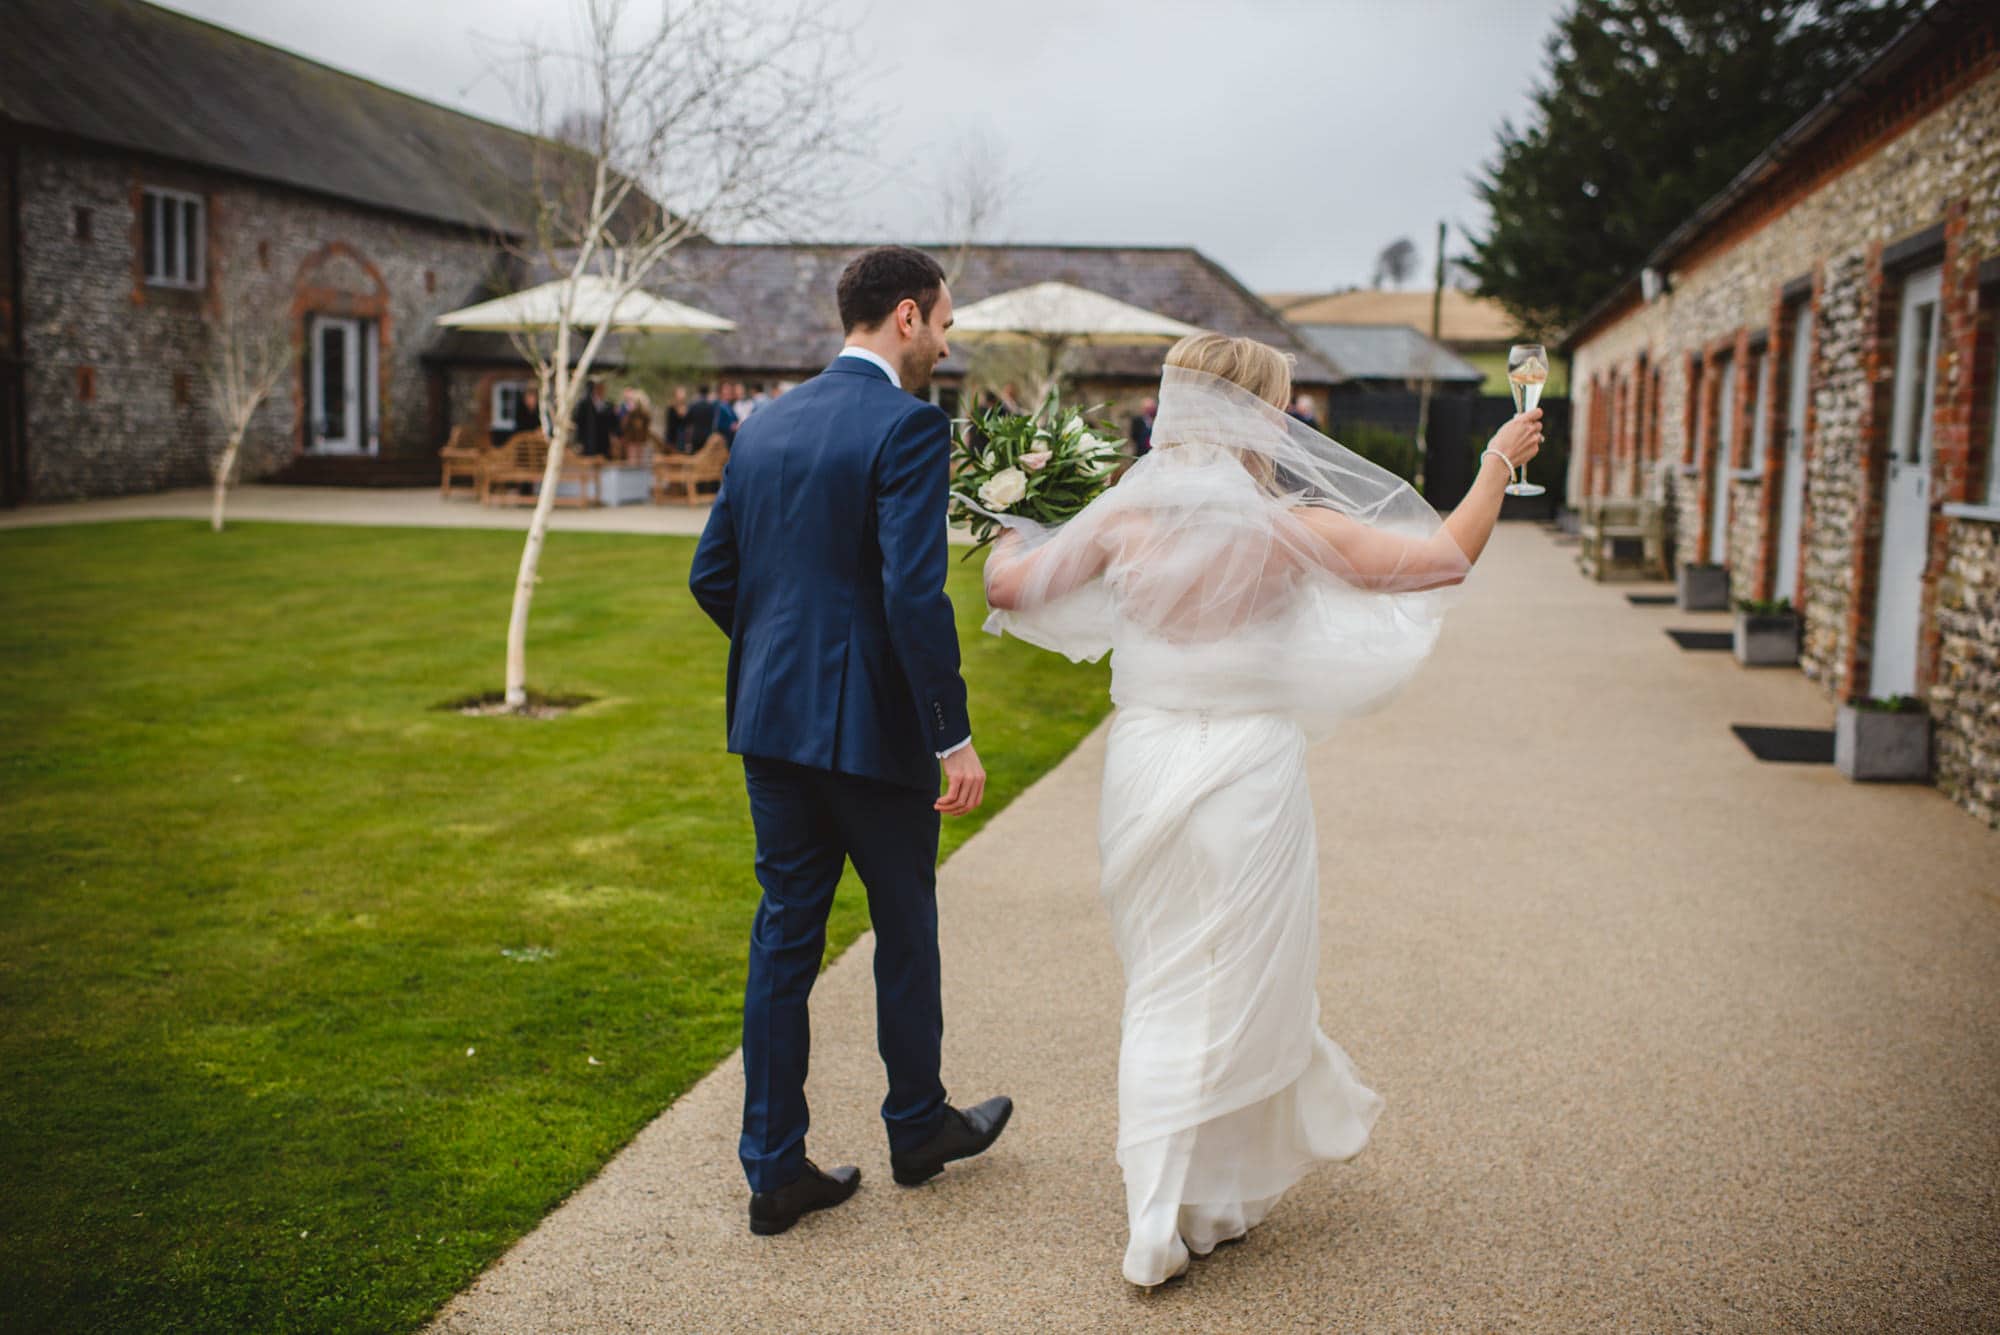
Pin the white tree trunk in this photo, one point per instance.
(222, 472)
(538, 524)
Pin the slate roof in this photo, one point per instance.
(1939, 23)
(138, 77)
(1388, 352)
(781, 297)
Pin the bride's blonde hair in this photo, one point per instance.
(1257, 367)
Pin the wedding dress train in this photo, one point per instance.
(1228, 1092)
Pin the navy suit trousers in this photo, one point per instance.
(809, 823)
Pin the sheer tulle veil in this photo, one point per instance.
(1247, 564)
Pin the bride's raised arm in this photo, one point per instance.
(1380, 558)
(1374, 558)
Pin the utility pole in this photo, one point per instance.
(1424, 399)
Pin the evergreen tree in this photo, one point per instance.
(1648, 109)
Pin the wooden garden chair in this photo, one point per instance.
(690, 471)
(461, 455)
(521, 462)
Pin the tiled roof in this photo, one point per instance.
(782, 299)
(138, 77)
(1940, 23)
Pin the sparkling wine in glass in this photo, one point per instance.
(1527, 372)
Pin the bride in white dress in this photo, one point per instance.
(1254, 582)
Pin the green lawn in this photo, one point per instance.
(269, 1062)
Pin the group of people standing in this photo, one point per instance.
(625, 429)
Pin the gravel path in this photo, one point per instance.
(1669, 1038)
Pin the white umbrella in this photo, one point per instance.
(1063, 312)
(541, 308)
(1059, 315)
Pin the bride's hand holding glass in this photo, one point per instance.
(1518, 440)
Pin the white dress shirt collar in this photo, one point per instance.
(878, 359)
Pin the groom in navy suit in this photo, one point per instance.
(824, 562)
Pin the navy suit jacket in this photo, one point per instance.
(824, 562)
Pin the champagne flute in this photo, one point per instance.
(1527, 372)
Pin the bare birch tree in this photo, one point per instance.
(693, 120)
(972, 193)
(250, 349)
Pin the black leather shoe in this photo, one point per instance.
(962, 1135)
(775, 1211)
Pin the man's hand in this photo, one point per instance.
(965, 782)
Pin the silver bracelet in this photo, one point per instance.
(1501, 457)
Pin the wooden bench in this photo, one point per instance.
(522, 461)
(461, 455)
(690, 471)
(1608, 520)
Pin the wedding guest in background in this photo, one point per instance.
(635, 425)
(1141, 432)
(1302, 410)
(727, 393)
(595, 422)
(703, 415)
(528, 411)
(676, 424)
(1010, 397)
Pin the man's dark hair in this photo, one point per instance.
(877, 281)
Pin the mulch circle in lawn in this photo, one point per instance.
(492, 704)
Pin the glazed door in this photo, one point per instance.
(1899, 575)
(1792, 503)
(342, 370)
(1725, 436)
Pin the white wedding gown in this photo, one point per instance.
(1227, 1089)
(1234, 641)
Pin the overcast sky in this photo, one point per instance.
(1289, 139)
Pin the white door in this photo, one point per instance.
(343, 385)
(1792, 505)
(1725, 435)
(1906, 493)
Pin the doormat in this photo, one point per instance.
(1703, 639)
(1650, 599)
(1787, 746)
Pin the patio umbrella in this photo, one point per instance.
(1059, 316)
(538, 308)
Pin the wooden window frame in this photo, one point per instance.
(189, 271)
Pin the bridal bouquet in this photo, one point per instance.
(1044, 466)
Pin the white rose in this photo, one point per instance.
(1036, 460)
(1003, 489)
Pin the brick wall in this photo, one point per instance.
(1927, 158)
(147, 423)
